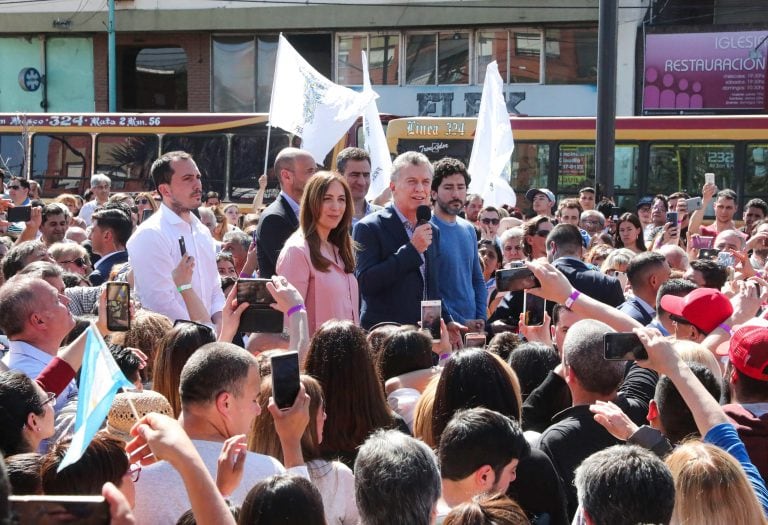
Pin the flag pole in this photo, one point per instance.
(271, 98)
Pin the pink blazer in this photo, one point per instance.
(327, 295)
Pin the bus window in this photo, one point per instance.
(61, 163)
(576, 168)
(756, 179)
(209, 152)
(127, 160)
(12, 155)
(248, 165)
(681, 167)
(625, 160)
(530, 166)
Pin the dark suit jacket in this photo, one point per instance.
(635, 310)
(98, 276)
(605, 288)
(276, 224)
(388, 272)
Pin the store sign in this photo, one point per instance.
(705, 71)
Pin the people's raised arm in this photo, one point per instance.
(556, 288)
(289, 301)
(182, 278)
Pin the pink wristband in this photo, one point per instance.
(298, 308)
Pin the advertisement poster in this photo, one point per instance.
(705, 71)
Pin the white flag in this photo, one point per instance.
(375, 141)
(489, 164)
(309, 105)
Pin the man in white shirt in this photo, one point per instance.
(219, 390)
(154, 249)
(35, 317)
(100, 186)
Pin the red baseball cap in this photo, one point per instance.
(748, 351)
(704, 308)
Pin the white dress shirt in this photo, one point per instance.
(153, 251)
(87, 210)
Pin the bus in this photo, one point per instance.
(62, 151)
(652, 155)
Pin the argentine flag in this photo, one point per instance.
(100, 378)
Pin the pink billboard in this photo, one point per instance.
(705, 71)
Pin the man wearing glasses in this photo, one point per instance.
(18, 191)
(100, 186)
(293, 168)
(488, 219)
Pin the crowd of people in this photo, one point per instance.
(500, 405)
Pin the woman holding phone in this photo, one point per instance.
(318, 259)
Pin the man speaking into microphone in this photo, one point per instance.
(398, 257)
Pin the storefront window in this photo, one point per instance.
(571, 56)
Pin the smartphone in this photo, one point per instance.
(118, 306)
(693, 204)
(259, 316)
(475, 325)
(474, 340)
(254, 292)
(708, 253)
(146, 214)
(699, 241)
(726, 260)
(623, 346)
(709, 178)
(431, 311)
(533, 310)
(83, 510)
(516, 279)
(285, 378)
(623, 279)
(182, 246)
(616, 213)
(672, 218)
(19, 214)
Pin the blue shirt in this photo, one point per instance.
(462, 286)
(26, 358)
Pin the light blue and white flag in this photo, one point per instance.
(309, 105)
(489, 164)
(100, 379)
(375, 141)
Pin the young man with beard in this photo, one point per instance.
(154, 250)
(462, 287)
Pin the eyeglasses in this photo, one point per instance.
(488, 220)
(14, 187)
(82, 263)
(50, 398)
(590, 221)
(542, 233)
(134, 471)
(143, 201)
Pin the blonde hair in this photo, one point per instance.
(693, 352)
(422, 414)
(60, 250)
(617, 258)
(711, 488)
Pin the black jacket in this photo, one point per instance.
(604, 288)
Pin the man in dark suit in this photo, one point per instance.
(110, 229)
(564, 248)
(646, 273)
(293, 168)
(397, 264)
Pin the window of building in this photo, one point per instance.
(571, 56)
(151, 78)
(234, 74)
(437, 58)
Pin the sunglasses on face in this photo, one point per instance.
(143, 201)
(49, 398)
(14, 187)
(488, 220)
(542, 233)
(79, 262)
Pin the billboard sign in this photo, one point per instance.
(700, 72)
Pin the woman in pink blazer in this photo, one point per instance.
(318, 258)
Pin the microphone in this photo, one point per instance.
(423, 214)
